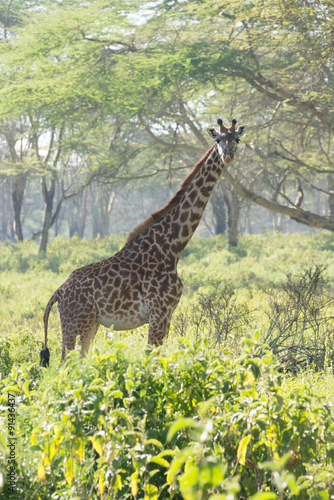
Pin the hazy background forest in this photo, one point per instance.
(104, 106)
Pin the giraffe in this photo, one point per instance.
(140, 283)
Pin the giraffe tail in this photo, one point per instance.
(45, 353)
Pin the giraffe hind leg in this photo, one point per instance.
(83, 324)
(69, 340)
(86, 339)
(44, 357)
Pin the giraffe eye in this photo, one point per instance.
(237, 140)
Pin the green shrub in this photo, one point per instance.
(113, 425)
(63, 255)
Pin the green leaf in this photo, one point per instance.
(102, 482)
(96, 383)
(97, 443)
(276, 465)
(181, 423)
(129, 385)
(178, 462)
(69, 470)
(167, 453)
(3, 444)
(11, 389)
(264, 495)
(242, 449)
(120, 344)
(164, 363)
(323, 494)
(41, 473)
(156, 443)
(159, 461)
(205, 406)
(115, 394)
(26, 388)
(134, 484)
(151, 492)
(124, 416)
(292, 484)
(79, 449)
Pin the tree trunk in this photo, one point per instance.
(218, 209)
(296, 213)
(77, 215)
(103, 202)
(233, 212)
(45, 229)
(48, 196)
(6, 214)
(330, 188)
(18, 187)
(233, 223)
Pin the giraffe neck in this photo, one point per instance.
(181, 221)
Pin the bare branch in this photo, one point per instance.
(48, 154)
(280, 184)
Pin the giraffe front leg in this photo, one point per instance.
(160, 307)
(159, 324)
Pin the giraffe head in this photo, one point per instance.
(227, 139)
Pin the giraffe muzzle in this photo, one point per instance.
(228, 158)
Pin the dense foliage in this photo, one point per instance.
(188, 425)
(194, 419)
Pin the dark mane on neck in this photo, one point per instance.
(151, 219)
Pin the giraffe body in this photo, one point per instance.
(122, 292)
(140, 284)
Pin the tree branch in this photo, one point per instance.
(167, 144)
(278, 93)
(303, 216)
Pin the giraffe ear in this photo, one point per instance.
(212, 132)
(241, 130)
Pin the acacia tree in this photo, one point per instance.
(15, 152)
(152, 78)
(273, 60)
(282, 51)
(42, 80)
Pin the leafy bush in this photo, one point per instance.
(113, 425)
(191, 424)
(260, 262)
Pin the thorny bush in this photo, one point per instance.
(301, 326)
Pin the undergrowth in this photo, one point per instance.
(194, 424)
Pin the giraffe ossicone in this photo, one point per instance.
(140, 283)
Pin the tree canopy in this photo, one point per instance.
(129, 81)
